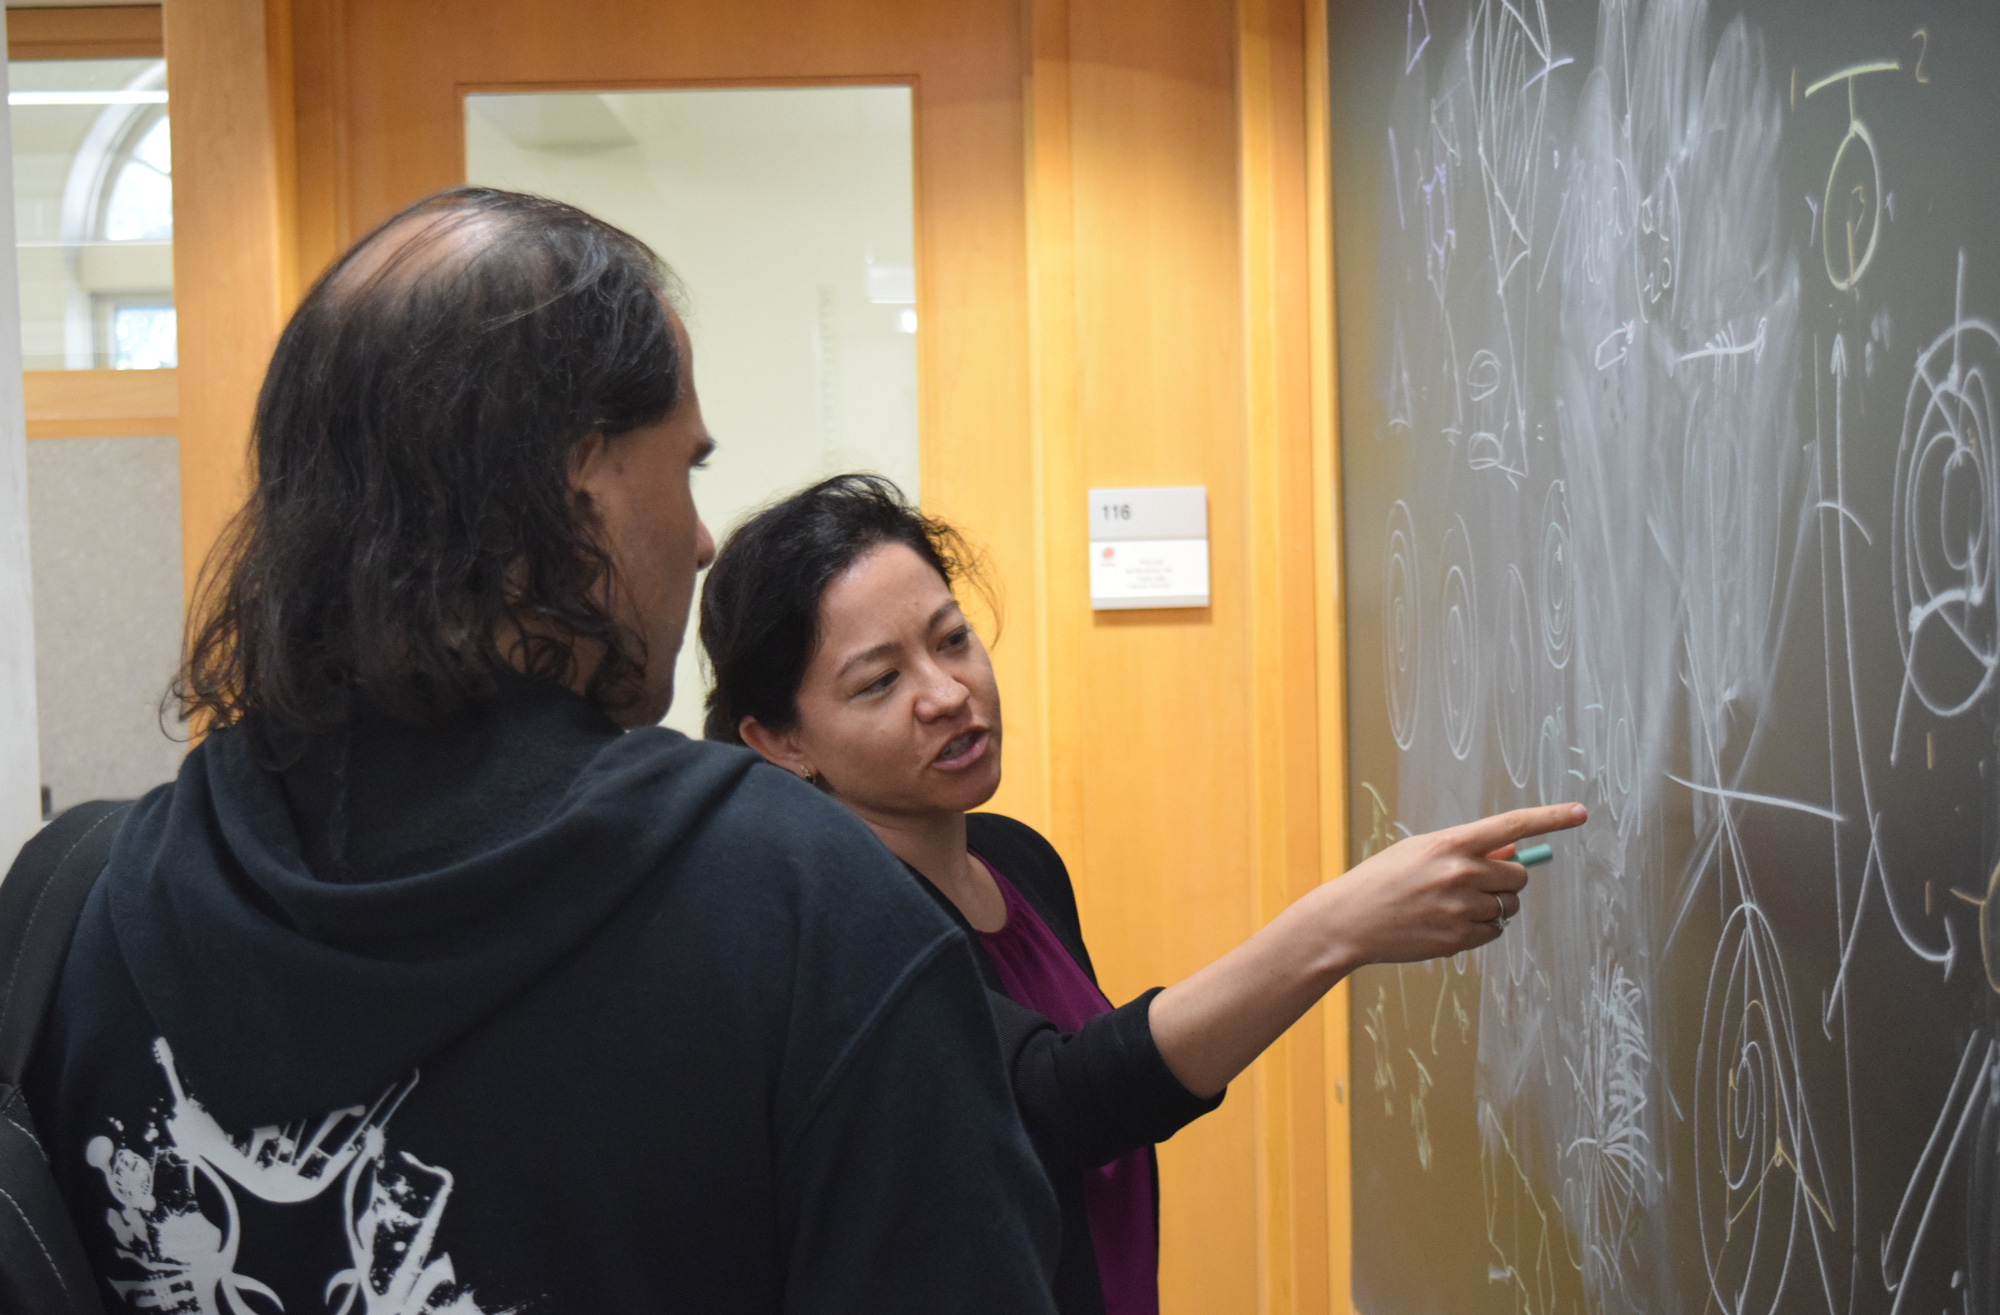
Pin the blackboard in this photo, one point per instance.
(1670, 481)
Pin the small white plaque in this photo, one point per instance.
(1149, 547)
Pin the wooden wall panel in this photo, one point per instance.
(85, 32)
(1155, 809)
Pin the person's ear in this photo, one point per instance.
(589, 466)
(780, 750)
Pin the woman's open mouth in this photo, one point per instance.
(963, 751)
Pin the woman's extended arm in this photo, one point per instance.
(1421, 898)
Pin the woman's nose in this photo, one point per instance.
(942, 696)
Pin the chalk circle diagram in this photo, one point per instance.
(1850, 217)
(1853, 207)
(1402, 635)
(1945, 540)
(1558, 590)
(1552, 760)
(1621, 758)
(1458, 642)
(1751, 1197)
(1513, 710)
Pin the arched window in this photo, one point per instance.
(135, 327)
(94, 192)
(139, 204)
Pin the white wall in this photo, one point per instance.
(20, 769)
(770, 205)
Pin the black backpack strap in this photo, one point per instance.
(42, 1265)
(40, 902)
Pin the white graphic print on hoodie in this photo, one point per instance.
(185, 1259)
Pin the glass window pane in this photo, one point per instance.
(142, 338)
(93, 197)
(142, 199)
(789, 215)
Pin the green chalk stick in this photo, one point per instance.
(1533, 854)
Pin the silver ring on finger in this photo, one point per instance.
(1500, 915)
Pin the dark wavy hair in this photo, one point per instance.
(760, 605)
(411, 537)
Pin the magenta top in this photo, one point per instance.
(1039, 974)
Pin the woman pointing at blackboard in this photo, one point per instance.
(840, 654)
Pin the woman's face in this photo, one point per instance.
(898, 712)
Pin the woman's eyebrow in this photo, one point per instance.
(888, 648)
(867, 655)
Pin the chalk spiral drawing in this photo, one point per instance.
(1458, 640)
(1400, 623)
(1946, 533)
(1645, 534)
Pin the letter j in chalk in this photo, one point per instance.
(1533, 854)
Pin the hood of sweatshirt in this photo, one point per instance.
(304, 937)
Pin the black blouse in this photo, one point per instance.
(1086, 1097)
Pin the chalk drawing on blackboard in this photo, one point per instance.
(1724, 349)
(1396, 178)
(1376, 1027)
(1513, 690)
(1970, 1099)
(1758, 1178)
(1518, 1227)
(1417, 35)
(1402, 398)
(1853, 222)
(1945, 540)
(1612, 347)
(1643, 300)
(1420, 1122)
(1383, 829)
(1508, 57)
(1558, 604)
(1497, 442)
(1837, 598)
(1459, 658)
(1552, 761)
(1609, 1166)
(1620, 776)
(1989, 925)
(1401, 627)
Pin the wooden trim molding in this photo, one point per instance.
(101, 403)
(227, 67)
(1331, 623)
(85, 32)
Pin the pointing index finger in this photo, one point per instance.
(1502, 829)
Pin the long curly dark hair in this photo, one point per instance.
(411, 537)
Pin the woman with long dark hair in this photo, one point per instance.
(840, 654)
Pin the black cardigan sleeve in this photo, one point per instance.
(1088, 1096)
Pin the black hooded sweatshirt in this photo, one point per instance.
(528, 1015)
